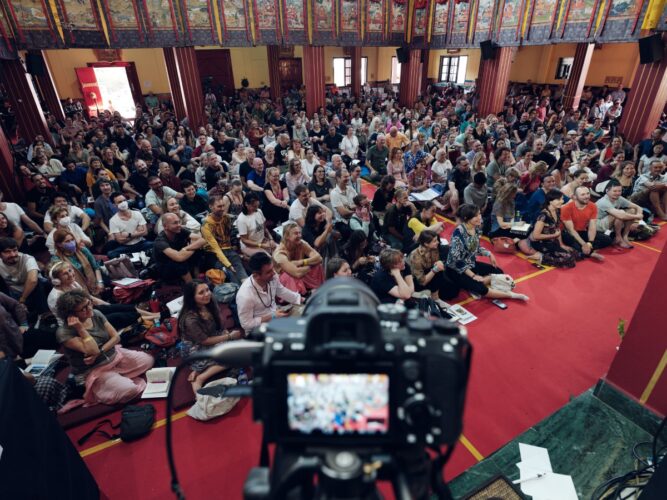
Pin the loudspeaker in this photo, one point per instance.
(34, 64)
(488, 49)
(402, 54)
(651, 49)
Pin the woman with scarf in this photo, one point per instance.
(87, 270)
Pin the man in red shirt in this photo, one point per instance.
(579, 217)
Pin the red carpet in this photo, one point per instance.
(529, 360)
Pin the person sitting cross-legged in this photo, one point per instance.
(428, 269)
(299, 266)
(617, 215)
(175, 249)
(579, 217)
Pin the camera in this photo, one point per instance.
(352, 392)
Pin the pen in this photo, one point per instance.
(517, 481)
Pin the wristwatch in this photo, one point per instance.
(435, 269)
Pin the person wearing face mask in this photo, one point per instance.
(88, 273)
(127, 230)
(62, 220)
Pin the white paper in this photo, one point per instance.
(535, 457)
(175, 306)
(125, 281)
(42, 359)
(158, 381)
(427, 195)
(461, 314)
(551, 486)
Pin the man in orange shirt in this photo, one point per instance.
(396, 139)
(579, 217)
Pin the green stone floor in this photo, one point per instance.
(586, 439)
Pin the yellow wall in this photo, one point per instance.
(149, 62)
(251, 63)
(472, 69)
(539, 63)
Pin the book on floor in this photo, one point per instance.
(41, 360)
(461, 314)
(158, 381)
(428, 195)
(175, 306)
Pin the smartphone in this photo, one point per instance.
(499, 303)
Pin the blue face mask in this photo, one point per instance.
(70, 246)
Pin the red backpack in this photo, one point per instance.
(131, 294)
(164, 335)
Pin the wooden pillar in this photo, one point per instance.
(25, 103)
(8, 183)
(47, 88)
(493, 80)
(578, 73)
(410, 79)
(424, 78)
(185, 84)
(313, 61)
(273, 56)
(355, 56)
(646, 100)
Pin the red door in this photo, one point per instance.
(90, 90)
(215, 70)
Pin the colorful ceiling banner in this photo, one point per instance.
(39, 24)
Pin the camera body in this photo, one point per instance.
(351, 372)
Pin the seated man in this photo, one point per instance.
(174, 249)
(192, 203)
(21, 274)
(616, 214)
(579, 217)
(395, 224)
(217, 231)
(256, 298)
(127, 229)
(299, 207)
(156, 196)
(393, 281)
(650, 190)
(298, 265)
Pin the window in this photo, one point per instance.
(342, 67)
(453, 69)
(395, 70)
(564, 67)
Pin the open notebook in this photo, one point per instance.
(158, 381)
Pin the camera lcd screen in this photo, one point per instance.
(338, 403)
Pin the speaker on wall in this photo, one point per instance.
(34, 64)
(488, 49)
(651, 49)
(402, 54)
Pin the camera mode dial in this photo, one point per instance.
(418, 413)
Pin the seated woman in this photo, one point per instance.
(255, 236)
(87, 270)
(319, 233)
(298, 265)
(420, 178)
(111, 373)
(531, 180)
(546, 236)
(337, 267)
(393, 280)
(276, 203)
(320, 186)
(232, 201)
(61, 220)
(396, 167)
(383, 196)
(13, 324)
(200, 327)
(10, 230)
(62, 277)
(462, 265)
(355, 252)
(503, 214)
(295, 176)
(428, 268)
(171, 205)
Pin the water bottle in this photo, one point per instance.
(518, 216)
(154, 303)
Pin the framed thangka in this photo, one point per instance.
(124, 24)
(542, 21)
(34, 26)
(375, 21)
(324, 25)
(161, 23)
(508, 31)
(201, 26)
(459, 36)
(398, 21)
(7, 46)
(350, 25)
(420, 21)
(295, 15)
(441, 23)
(623, 21)
(235, 22)
(267, 21)
(579, 19)
(484, 21)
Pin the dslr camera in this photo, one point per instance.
(353, 392)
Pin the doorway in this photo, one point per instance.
(290, 72)
(110, 86)
(215, 70)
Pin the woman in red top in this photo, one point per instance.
(530, 181)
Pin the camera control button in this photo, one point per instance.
(411, 438)
(410, 348)
(411, 370)
(278, 346)
(297, 346)
(389, 347)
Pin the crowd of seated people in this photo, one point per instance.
(274, 199)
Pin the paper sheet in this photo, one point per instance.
(550, 486)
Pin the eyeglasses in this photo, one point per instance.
(88, 305)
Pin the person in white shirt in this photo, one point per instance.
(21, 274)
(251, 224)
(349, 146)
(650, 190)
(156, 195)
(300, 205)
(127, 230)
(256, 298)
(76, 215)
(62, 220)
(441, 167)
(16, 215)
(310, 162)
(342, 202)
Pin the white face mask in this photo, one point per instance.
(123, 205)
(64, 221)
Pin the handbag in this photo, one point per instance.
(135, 422)
(132, 294)
(503, 244)
(502, 282)
(165, 335)
(120, 268)
(208, 406)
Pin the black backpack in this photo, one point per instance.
(135, 422)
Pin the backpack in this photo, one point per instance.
(120, 268)
(164, 335)
(225, 293)
(134, 293)
(135, 422)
